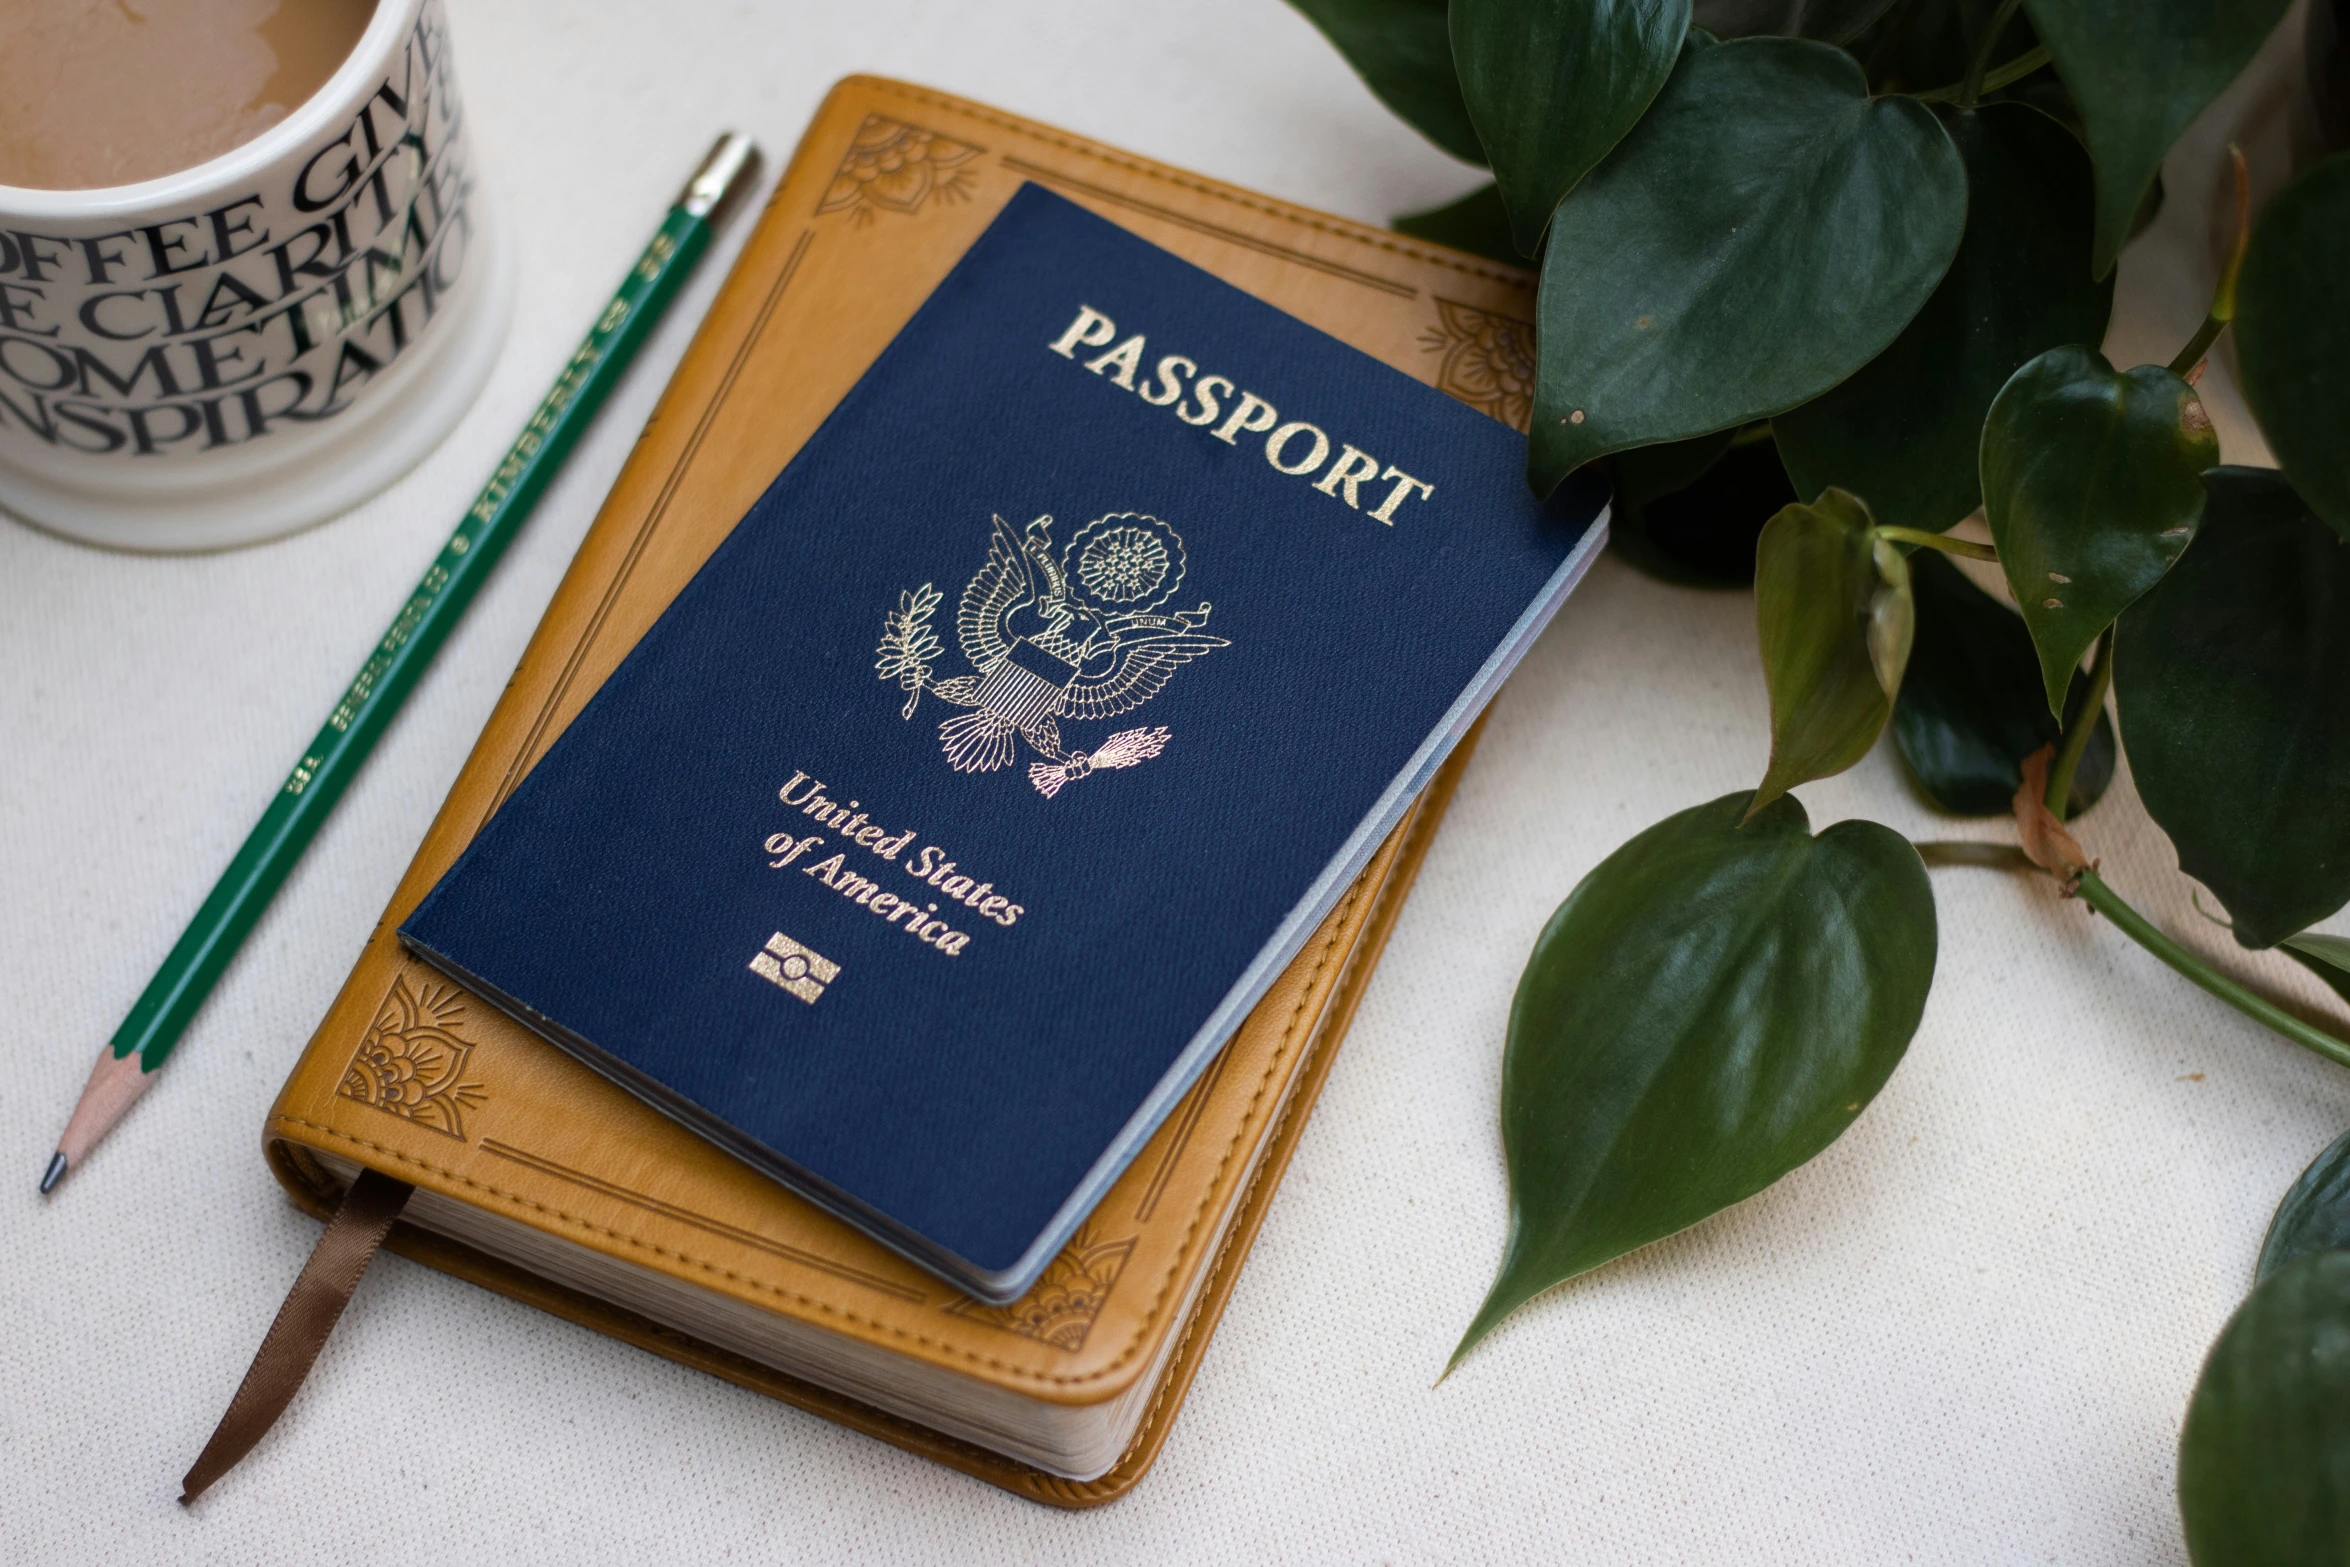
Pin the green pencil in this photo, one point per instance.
(172, 998)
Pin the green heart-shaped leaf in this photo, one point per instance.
(1905, 429)
(1971, 707)
(2315, 1215)
(1832, 607)
(2264, 1462)
(1403, 52)
(1691, 512)
(1830, 21)
(2328, 957)
(2092, 487)
(1477, 223)
(1764, 231)
(2139, 70)
(2293, 334)
(2233, 685)
(1709, 1008)
(1553, 85)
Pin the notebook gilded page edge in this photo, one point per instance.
(649, 484)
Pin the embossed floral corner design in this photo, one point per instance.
(1488, 360)
(412, 1062)
(1061, 1307)
(896, 167)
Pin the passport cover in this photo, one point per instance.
(413, 1076)
(923, 857)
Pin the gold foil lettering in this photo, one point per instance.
(1202, 404)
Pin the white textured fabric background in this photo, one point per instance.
(1966, 1333)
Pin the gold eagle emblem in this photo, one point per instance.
(1076, 636)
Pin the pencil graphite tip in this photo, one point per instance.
(55, 1173)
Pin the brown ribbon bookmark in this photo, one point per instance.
(311, 1310)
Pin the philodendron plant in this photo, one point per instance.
(1862, 252)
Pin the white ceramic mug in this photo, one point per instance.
(254, 344)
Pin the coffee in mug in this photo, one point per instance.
(247, 272)
(112, 92)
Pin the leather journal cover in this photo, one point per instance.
(520, 1155)
(783, 876)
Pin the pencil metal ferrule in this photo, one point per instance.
(722, 174)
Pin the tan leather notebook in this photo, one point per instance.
(539, 1179)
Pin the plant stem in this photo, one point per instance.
(1990, 856)
(1940, 541)
(2223, 297)
(2139, 929)
(2092, 890)
(2014, 70)
(2198, 345)
(2017, 69)
(2076, 739)
(1972, 88)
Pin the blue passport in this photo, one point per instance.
(927, 847)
